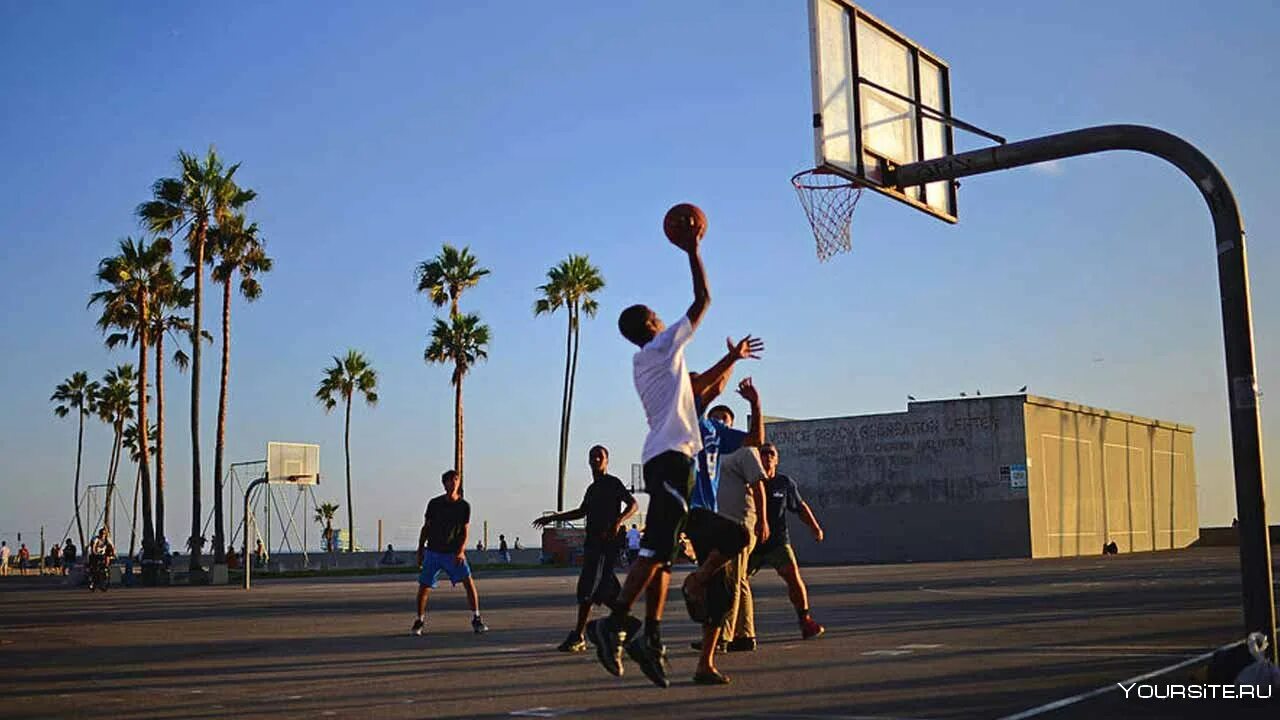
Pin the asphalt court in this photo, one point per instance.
(947, 640)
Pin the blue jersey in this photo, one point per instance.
(718, 439)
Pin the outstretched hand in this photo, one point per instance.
(747, 390)
(541, 522)
(747, 347)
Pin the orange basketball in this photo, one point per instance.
(684, 225)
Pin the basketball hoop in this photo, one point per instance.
(828, 200)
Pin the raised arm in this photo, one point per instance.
(708, 385)
(701, 293)
(755, 432)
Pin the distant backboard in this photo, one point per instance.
(297, 463)
(879, 100)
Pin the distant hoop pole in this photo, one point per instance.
(247, 564)
(1237, 319)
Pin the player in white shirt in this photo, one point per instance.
(662, 381)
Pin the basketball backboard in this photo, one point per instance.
(879, 101)
(297, 463)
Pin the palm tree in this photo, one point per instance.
(463, 341)
(130, 442)
(169, 299)
(234, 249)
(570, 285)
(132, 275)
(445, 276)
(347, 376)
(77, 393)
(324, 516)
(204, 194)
(115, 406)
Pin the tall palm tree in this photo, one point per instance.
(570, 285)
(115, 407)
(348, 375)
(445, 276)
(77, 393)
(126, 304)
(463, 341)
(324, 516)
(130, 441)
(235, 249)
(202, 195)
(169, 300)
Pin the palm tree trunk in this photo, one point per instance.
(144, 445)
(133, 526)
(118, 426)
(346, 449)
(564, 419)
(196, 545)
(160, 534)
(573, 376)
(79, 453)
(457, 431)
(219, 551)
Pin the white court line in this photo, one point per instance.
(832, 717)
(1113, 686)
(891, 653)
(921, 646)
(791, 716)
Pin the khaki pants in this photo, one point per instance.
(741, 621)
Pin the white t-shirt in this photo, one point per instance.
(738, 470)
(662, 380)
(4, 554)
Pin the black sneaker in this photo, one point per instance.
(742, 644)
(721, 646)
(608, 642)
(573, 644)
(417, 627)
(478, 625)
(650, 660)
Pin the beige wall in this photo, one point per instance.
(1096, 476)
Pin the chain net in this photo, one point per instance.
(829, 201)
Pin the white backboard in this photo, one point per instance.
(297, 463)
(879, 100)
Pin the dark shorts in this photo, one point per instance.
(668, 478)
(712, 531)
(597, 583)
(776, 557)
(434, 563)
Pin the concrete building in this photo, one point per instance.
(990, 477)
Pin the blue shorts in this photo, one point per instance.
(433, 563)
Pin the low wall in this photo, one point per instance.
(369, 560)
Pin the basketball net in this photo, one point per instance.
(828, 201)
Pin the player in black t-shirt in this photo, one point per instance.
(444, 532)
(606, 505)
(782, 496)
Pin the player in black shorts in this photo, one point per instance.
(607, 505)
(662, 382)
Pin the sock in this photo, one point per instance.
(419, 618)
(653, 632)
(803, 614)
(476, 613)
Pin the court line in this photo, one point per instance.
(1058, 704)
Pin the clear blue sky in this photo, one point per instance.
(528, 131)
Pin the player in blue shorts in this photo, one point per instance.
(444, 533)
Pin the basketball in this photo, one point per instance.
(684, 225)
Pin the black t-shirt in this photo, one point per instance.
(446, 524)
(781, 496)
(605, 501)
